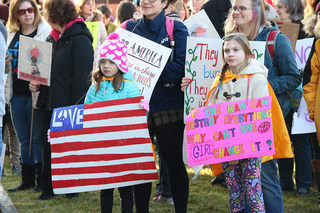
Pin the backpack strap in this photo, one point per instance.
(124, 24)
(271, 42)
(169, 27)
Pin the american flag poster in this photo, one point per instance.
(100, 146)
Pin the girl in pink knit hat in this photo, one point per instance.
(110, 83)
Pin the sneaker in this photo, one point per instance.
(160, 198)
(302, 191)
(16, 170)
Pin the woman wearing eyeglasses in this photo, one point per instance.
(248, 17)
(165, 118)
(25, 20)
(291, 11)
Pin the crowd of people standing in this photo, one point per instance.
(78, 67)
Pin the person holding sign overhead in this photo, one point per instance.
(248, 17)
(25, 20)
(89, 15)
(165, 118)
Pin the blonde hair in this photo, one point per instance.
(242, 40)
(80, 6)
(13, 22)
(258, 20)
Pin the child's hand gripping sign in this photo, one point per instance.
(230, 131)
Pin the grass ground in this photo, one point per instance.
(202, 198)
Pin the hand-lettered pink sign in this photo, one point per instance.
(229, 131)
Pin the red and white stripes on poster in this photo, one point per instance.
(111, 148)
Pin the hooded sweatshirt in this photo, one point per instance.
(258, 84)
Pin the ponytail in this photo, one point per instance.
(222, 74)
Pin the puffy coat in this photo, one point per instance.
(165, 98)
(311, 75)
(311, 91)
(106, 91)
(71, 66)
(285, 76)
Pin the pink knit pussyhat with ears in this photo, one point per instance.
(114, 50)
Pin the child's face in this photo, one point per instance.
(234, 55)
(108, 68)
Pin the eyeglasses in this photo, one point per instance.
(241, 9)
(21, 12)
(279, 7)
(151, 1)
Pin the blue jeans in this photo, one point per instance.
(302, 153)
(21, 110)
(271, 189)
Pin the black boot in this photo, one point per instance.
(28, 178)
(72, 195)
(316, 171)
(38, 188)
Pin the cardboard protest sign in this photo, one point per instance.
(94, 29)
(146, 59)
(100, 146)
(34, 60)
(203, 63)
(230, 131)
(302, 124)
(302, 51)
(291, 30)
(199, 25)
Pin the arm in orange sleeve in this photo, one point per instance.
(310, 89)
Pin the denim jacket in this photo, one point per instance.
(285, 76)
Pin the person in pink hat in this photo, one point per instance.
(110, 83)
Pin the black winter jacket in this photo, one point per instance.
(71, 67)
(217, 11)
